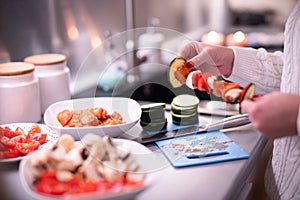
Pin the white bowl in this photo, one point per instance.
(129, 109)
(143, 156)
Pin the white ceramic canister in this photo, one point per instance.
(150, 46)
(19, 93)
(54, 77)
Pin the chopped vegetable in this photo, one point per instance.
(192, 79)
(202, 83)
(183, 72)
(232, 95)
(19, 142)
(178, 73)
(153, 117)
(247, 92)
(184, 110)
(94, 164)
(186, 100)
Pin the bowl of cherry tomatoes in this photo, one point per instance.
(18, 140)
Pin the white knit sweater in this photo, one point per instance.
(270, 72)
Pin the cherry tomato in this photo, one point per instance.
(40, 137)
(86, 186)
(3, 147)
(202, 85)
(129, 185)
(6, 131)
(35, 144)
(9, 153)
(51, 186)
(20, 131)
(34, 129)
(196, 79)
(103, 186)
(26, 148)
(48, 174)
(18, 139)
(48, 183)
(7, 142)
(35, 134)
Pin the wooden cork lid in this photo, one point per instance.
(45, 59)
(15, 68)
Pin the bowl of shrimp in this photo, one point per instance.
(111, 116)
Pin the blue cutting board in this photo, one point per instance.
(201, 149)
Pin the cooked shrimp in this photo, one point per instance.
(89, 117)
(64, 117)
(116, 116)
(100, 113)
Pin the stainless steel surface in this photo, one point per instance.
(77, 27)
(228, 122)
(73, 28)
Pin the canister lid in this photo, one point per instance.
(46, 59)
(15, 68)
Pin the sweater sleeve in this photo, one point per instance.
(257, 66)
(298, 122)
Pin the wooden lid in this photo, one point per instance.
(45, 59)
(15, 68)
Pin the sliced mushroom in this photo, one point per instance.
(67, 141)
(58, 153)
(210, 81)
(233, 94)
(64, 175)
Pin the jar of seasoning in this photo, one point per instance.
(19, 93)
(54, 77)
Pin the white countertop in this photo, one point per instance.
(214, 181)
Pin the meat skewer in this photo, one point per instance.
(182, 72)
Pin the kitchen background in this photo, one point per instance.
(101, 37)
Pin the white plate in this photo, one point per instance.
(52, 137)
(128, 108)
(137, 150)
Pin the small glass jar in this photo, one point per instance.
(19, 93)
(54, 77)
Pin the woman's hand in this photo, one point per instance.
(203, 55)
(275, 114)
